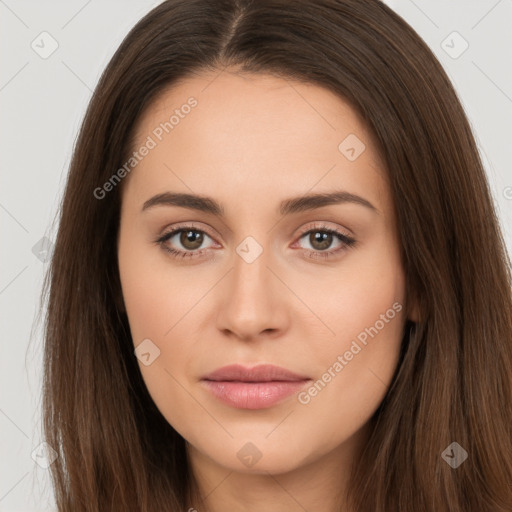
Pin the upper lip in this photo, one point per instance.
(260, 373)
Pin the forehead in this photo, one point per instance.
(253, 137)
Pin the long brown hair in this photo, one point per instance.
(453, 382)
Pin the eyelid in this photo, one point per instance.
(193, 225)
(190, 226)
(323, 225)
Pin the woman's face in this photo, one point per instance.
(266, 273)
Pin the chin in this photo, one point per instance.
(258, 456)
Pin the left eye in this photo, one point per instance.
(321, 240)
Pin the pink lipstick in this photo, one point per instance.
(258, 387)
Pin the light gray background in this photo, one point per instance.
(42, 102)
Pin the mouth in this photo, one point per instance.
(259, 387)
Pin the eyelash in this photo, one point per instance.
(347, 242)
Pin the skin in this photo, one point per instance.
(251, 142)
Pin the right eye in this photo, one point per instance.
(189, 237)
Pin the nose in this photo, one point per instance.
(253, 301)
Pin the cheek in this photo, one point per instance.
(355, 301)
(354, 370)
(162, 306)
(156, 298)
(157, 302)
(353, 381)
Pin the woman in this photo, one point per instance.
(279, 282)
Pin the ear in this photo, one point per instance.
(120, 302)
(413, 309)
(118, 294)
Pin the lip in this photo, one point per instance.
(260, 373)
(258, 387)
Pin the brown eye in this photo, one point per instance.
(320, 240)
(191, 240)
(185, 242)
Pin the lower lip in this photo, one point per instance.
(253, 395)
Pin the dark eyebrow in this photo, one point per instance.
(313, 201)
(191, 201)
(287, 207)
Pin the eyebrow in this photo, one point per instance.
(287, 207)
